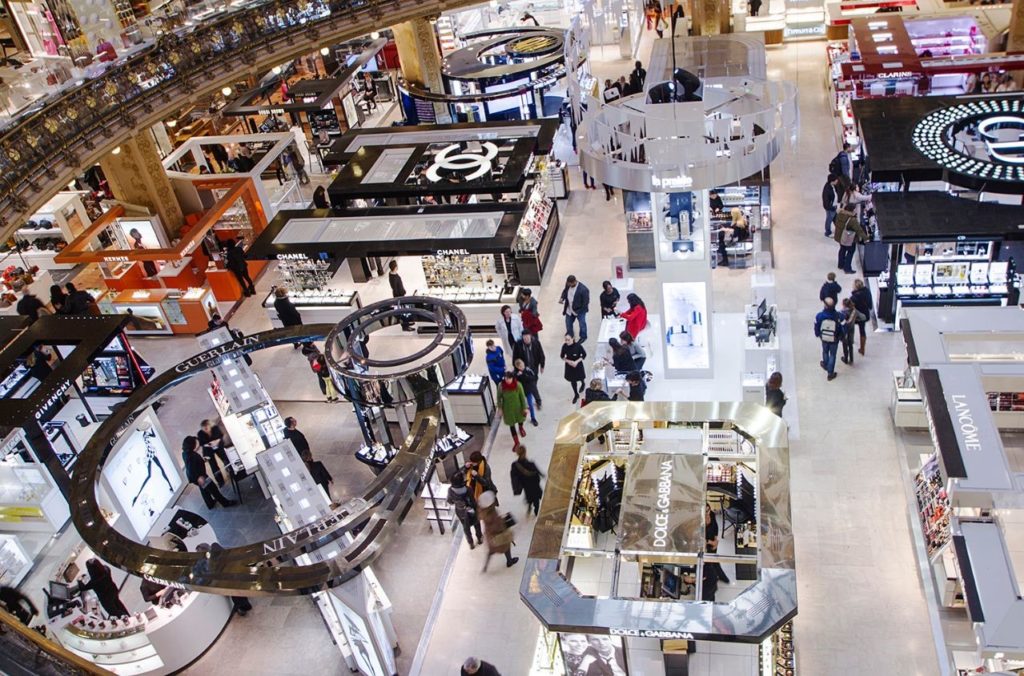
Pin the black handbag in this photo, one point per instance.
(508, 520)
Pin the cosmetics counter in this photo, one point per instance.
(616, 491)
(157, 639)
(162, 311)
(890, 55)
(965, 491)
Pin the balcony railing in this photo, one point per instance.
(43, 151)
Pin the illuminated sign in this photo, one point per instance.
(471, 165)
(951, 137)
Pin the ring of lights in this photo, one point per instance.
(380, 382)
(358, 529)
(934, 137)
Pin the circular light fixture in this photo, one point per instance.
(226, 91)
(324, 51)
(116, 151)
(276, 70)
(374, 35)
(935, 137)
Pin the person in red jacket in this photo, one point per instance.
(635, 316)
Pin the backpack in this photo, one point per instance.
(835, 167)
(828, 330)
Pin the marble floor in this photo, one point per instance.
(861, 606)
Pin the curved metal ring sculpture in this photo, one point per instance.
(269, 567)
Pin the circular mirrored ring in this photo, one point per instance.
(419, 374)
(938, 137)
(356, 530)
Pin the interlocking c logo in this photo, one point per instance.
(479, 164)
(1011, 151)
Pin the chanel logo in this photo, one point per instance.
(1004, 138)
(472, 165)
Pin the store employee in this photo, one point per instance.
(715, 202)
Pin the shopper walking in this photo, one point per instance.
(637, 77)
(195, 472)
(509, 327)
(830, 289)
(527, 377)
(291, 432)
(526, 476)
(512, 401)
(474, 666)
(774, 397)
(497, 529)
(460, 497)
(58, 299)
(635, 316)
(575, 300)
(609, 192)
(531, 353)
(318, 472)
(80, 302)
(862, 300)
(828, 327)
(234, 260)
(318, 365)
(850, 318)
(635, 351)
(495, 357)
(529, 314)
(573, 355)
(478, 475)
(286, 311)
(28, 305)
(830, 201)
(211, 440)
(320, 198)
(609, 299)
(397, 291)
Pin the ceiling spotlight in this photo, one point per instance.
(324, 51)
(374, 35)
(116, 151)
(226, 91)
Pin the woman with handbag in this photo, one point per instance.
(526, 477)
(461, 498)
(862, 300)
(849, 314)
(478, 475)
(497, 529)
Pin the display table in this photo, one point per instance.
(328, 306)
(472, 400)
(481, 305)
(763, 358)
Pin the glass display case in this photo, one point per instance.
(686, 330)
(459, 271)
(29, 499)
(14, 561)
(535, 236)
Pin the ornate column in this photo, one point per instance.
(1015, 39)
(136, 175)
(421, 58)
(710, 17)
(418, 53)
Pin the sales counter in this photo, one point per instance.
(155, 639)
(163, 311)
(328, 306)
(480, 304)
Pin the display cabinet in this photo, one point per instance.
(49, 230)
(472, 400)
(14, 561)
(324, 306)
(29, 499)
(535, 236)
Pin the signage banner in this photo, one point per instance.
(663, 504)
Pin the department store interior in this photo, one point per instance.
(299, 300)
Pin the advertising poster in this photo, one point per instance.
(359, 640)
(142, 476)
(593, 655)
(686, 309)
